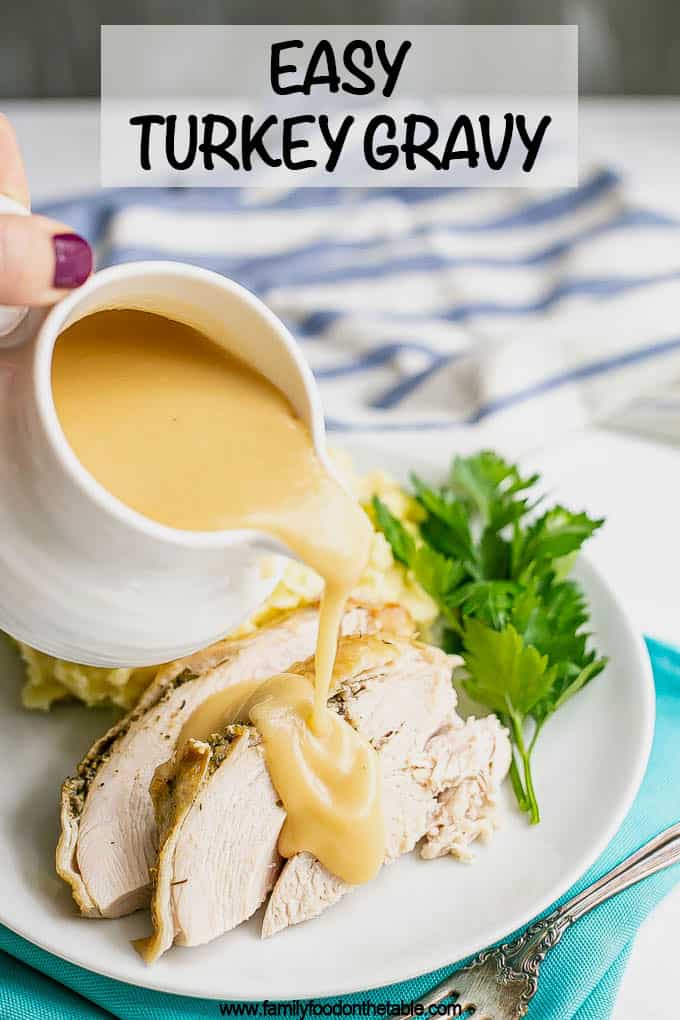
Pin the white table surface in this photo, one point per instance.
(634, 482)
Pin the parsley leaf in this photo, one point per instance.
(402, 543)
(488, 485)
(511, 678)
(558, 533)
(439, 576)
(505, 674)
(490, 601)
(446, 527)
(436, 574)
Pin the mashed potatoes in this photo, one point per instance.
(49, 680)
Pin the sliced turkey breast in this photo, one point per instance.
(305, 888)
(109, 834)
(211, 875)
(173, 799)
(463, 767)
(219, 828)
(440, 779)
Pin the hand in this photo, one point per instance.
(40, 259)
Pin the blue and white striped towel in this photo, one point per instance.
(498, 317)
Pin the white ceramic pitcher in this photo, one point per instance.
(82, 576)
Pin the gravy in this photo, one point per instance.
(183, 432)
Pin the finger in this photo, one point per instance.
(13, 181)
(40, 260)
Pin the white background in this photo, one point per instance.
(634, 482)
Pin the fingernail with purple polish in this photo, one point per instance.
(73, 260)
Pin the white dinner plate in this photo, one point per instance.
(417, 915)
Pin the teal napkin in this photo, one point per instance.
(579, 979)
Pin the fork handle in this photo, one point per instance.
(660, 852)
(520, 959)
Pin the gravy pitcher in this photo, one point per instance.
(82, 575)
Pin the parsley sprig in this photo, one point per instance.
(498, 570)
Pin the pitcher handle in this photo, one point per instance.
(10, 317)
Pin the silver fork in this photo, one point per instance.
(500, 983)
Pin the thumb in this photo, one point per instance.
(40, 260)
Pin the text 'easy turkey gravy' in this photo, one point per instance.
(183, 432)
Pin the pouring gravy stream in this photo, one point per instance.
(183, 432)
